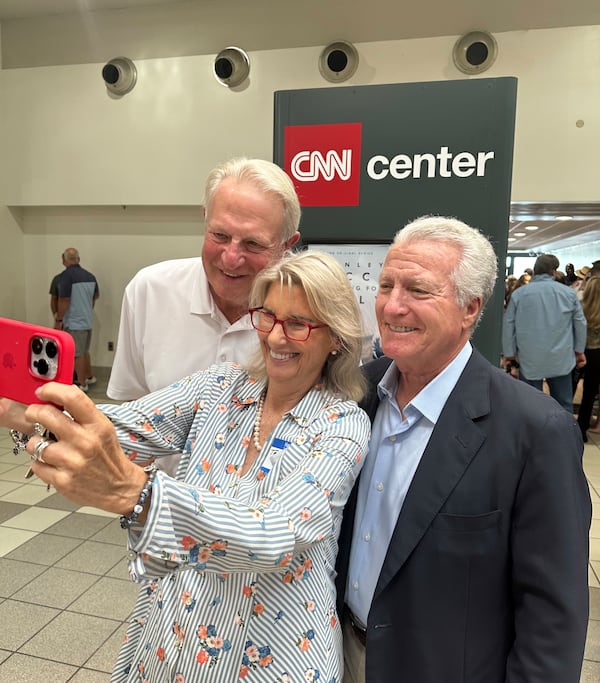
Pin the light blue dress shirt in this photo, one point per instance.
(395, 450)
(544, 326)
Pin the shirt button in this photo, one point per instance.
(355, 585)
(393, 438)
(367, 537)
(380, 486)
(131, 555)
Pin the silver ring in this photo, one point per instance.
(39, 429)
(39, 449)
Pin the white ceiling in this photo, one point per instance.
(414, 19)
(167, 28)
(19, 9)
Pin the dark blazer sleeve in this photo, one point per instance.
(549, 556)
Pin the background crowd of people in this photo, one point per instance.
(545, 335)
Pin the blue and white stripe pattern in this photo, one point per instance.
(238, 572)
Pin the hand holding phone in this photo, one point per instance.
(30, 356)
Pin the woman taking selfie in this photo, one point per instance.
(235, 553)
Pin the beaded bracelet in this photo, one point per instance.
(128, 521)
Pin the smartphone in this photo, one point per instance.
(30, 356)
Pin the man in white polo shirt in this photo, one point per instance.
(181, 316)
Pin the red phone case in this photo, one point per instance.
(20, 365)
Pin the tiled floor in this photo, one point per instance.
(64, 589)
(65, 593)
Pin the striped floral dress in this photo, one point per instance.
(237, 573)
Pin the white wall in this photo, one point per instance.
(13, 275)
(114, 243)
(64, 142)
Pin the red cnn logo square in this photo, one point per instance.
(323, 162)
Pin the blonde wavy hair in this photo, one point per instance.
(332, 302)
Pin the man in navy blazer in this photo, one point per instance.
(464, 549)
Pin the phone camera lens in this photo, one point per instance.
(51, 349)
(37, 345)
(42, 366)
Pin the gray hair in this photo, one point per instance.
(267, 177)
(332, 301)
(475, 274)
(71, 255)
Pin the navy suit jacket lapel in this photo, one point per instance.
(453, 444)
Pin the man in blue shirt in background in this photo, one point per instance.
(77, 294)
(545, 329)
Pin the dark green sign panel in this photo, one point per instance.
(367, 160)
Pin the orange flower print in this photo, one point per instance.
(231, 468)
(202, 657)
(244, 671)
(160, 653)
(265, 661)
(256, 656)
(285, 559)
(188, 601)
(204, 555)
(221, 408)
(205, 465)
(188, 542)
(258, 609)
(303, 641)
(211, 643)
(304, 644)
(332, 618)
(288, 577)
(305, 514)
(250, 590)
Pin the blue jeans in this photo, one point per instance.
(561, 389)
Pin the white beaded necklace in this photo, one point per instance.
(257, 421)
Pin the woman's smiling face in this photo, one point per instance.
(297, 362)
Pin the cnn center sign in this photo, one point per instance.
(324, 162)
(366, 160)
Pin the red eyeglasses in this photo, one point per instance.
(294, 330)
